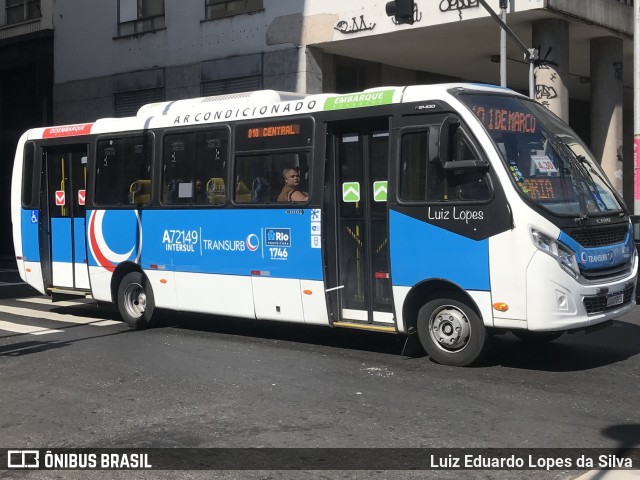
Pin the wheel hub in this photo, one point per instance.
(449, 328)
(135, 300)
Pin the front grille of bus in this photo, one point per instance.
(606, 273)
(599, 236)
(598, 303)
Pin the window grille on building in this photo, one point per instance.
(228, 8)
(140, 16)
(126, 104)
(22, 10)
(231, 85)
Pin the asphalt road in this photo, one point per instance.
(74, 376)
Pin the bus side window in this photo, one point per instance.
(137, 170)
(194, 168)
(108, 167)
(468, 183)
(259, 178)
(123, 171)
(210, 167)
(422, 179)
(251, 174)
(29, 178)
(177, 169)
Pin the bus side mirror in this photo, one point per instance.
(466, 165)
(434, 144)
(448, 128)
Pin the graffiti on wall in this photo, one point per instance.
(355, 26)
(546, 77)
(617, 69)
(449, 5)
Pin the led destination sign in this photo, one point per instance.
(549, 188)
(274, 135)
(274, 131)
(505, 120)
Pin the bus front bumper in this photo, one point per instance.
(557, 301)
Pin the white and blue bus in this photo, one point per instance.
(451, 212)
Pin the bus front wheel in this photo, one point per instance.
(451, 332)
(135, 300)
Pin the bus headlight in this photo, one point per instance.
(565, 257)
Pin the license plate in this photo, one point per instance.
(615, 299)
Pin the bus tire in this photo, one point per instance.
(135, 300)
(537, 338)
(451, 332)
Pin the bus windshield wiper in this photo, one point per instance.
(575, 167)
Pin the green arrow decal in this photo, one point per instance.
(351, 192)
(380, 191)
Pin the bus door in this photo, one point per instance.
(65, 168)
(358, 273)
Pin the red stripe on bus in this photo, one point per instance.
(100, 258)
(67, 130)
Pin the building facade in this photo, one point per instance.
(111, 57)
(26, 87)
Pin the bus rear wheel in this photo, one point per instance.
(451, 332)
(135, 300)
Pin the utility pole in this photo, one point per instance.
(530, 53)
(636, 107)
(503, 43)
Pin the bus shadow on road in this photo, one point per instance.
(257, 330)
(20, 349)
(571, 352)
(24, 348)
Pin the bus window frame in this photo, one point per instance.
(473, 145)
(308, 149)
(93, 169)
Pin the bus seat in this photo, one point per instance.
(243, 194)
(140, 192)
(216, 192)
(260, 192)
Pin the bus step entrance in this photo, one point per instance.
(63, 294)
(366, 326)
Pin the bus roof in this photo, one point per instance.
(255, 105)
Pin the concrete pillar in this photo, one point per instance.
(606, 106)
(551, 38)
(314, 70)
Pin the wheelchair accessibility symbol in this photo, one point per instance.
(34, 216)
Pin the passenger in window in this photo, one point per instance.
(198, 192)
(291, 192)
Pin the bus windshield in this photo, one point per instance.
(548, 162)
